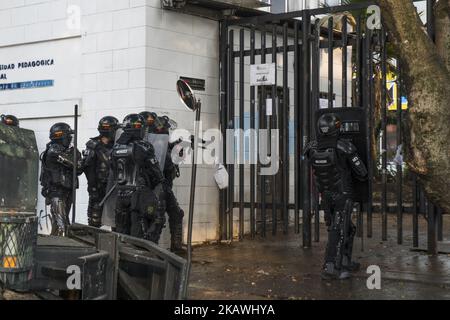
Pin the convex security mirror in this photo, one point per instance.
(187, 95)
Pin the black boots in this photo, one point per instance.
(176, 240)
(349, 265)
(331, 273)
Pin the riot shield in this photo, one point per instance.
(160, 143)
(354, 129)
(109, 207)
(19, 167)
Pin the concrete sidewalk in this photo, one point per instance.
(279, 268)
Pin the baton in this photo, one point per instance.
(108, 195)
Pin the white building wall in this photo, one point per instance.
(114, 58)
(129, 54)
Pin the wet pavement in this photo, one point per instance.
(279, 268)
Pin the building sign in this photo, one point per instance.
(26, 85)
(42, 78)
(263, 74)
(195, 84)
(8, 68)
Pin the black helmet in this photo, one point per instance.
(163, 125)
(328, 125)
(134, 125)
(107, 127)
(61, 132)
(151, 120)
(10, 120)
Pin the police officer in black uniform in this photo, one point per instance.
(10, 120)
(140, 204)
(57, 176)
(96, 166)
(335, 162)
(160, 125)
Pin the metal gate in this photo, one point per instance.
(325, 58)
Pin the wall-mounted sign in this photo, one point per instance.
(269, 107)
(195, 84)
(26, 85)
(33, 74)
(324, 101)
(263, 74)
(20, 65)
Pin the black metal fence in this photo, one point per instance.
(302, 44)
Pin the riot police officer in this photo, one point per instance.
(140, 204)
(10, 120)
(57, 176)
(96, 166)
(160, 125)
(334, 162)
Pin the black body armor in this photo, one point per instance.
(96, 166)
(140, 204)
(174, 211)
(161, 125)
(335, 163)
(57, 169)
(335, 167)
(135, 165)
(171, 170)
(57, 183)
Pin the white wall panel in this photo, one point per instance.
(126, 57)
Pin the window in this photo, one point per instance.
(278, 6)
(296, 5)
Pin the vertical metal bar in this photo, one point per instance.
(223, 122)
(440, 224)
(285, 128)
(359, 65)
(432, 216)
(262, 117)
(297, 128)
(316, 106)
(422, 199)
(432, 227)
(367, 100)
(399, 166)
(306, 109)
(344, 61)
(232, 123)
(415, 213)
(273, 126)
(384, 135)
(241, 136)
(430, 19)
(75, 161)
(330, 63)
(192, 197)
(252, 141)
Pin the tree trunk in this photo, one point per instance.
(442, 26)
(378, 88)
(427, 83)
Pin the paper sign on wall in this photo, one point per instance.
(262, 74)
(269, 108)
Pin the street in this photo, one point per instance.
(278, 268)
